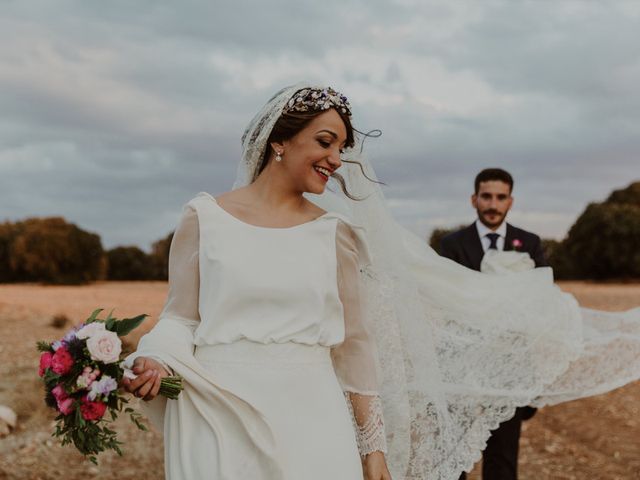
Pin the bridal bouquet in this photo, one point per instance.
(82, 374)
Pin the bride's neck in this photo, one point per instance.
(275, 192)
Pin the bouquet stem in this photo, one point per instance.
(171, 387)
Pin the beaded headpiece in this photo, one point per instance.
(301, 97)
(314, 99)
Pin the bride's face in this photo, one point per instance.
(313, 154)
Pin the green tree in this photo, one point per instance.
(7, 234)
(626, 196)
(160, 257)
(51, 250)
(129, 263)
(604, 242)
(554, 252)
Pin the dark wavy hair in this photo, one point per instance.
(489, 174)
(291, 123)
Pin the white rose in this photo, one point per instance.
(83, 381)
(90, 330)
(104, 346)
(502, 262)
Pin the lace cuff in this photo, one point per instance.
(368, 423)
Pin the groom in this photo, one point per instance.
(492, 200)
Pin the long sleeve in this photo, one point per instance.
(355, 360)
(184, 272)
(180, 314)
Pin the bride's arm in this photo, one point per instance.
(184, 272)
(180, 315)
(355, 360)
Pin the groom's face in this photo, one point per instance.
(492, 202)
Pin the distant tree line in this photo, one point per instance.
(603, 243)
(49, 250)
(131, 263)
(54, 251)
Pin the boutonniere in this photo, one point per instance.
(516, 243)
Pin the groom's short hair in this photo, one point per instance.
(489, 174)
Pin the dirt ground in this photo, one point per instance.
(595, 438)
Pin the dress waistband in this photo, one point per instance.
(248, 352)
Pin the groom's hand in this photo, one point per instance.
(374, 466)
(149, 373)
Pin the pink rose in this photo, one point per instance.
(104, 346)
(92, 410)
(45, 362)
(516, 243)
(59, 393)
(65, 405)
(62, 361)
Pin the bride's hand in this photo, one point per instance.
(375, 467)
(147, 383)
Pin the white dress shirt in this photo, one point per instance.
(486, 241)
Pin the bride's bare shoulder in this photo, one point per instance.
(238, 196)
(315, 210)
(238, 203)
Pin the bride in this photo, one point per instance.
(264, 318)
(286, 299)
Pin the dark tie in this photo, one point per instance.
(494, 240)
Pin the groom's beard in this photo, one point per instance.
(491, 218)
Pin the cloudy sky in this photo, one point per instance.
(114, 114)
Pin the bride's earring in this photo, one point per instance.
(278, 156)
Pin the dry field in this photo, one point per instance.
(595, 438)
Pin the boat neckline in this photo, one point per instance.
(233, 217)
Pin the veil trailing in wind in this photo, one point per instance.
(459, 350)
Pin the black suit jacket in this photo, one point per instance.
(465, 247)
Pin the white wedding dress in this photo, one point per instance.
(254, 313)
(265, 326)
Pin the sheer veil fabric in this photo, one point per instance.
(459, 350)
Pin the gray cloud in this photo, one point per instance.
(114, 114)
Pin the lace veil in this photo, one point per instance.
(459, 350)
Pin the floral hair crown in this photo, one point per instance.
(314, 99)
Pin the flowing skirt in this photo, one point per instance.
(295, 389)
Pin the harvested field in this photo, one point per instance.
(595, 438)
